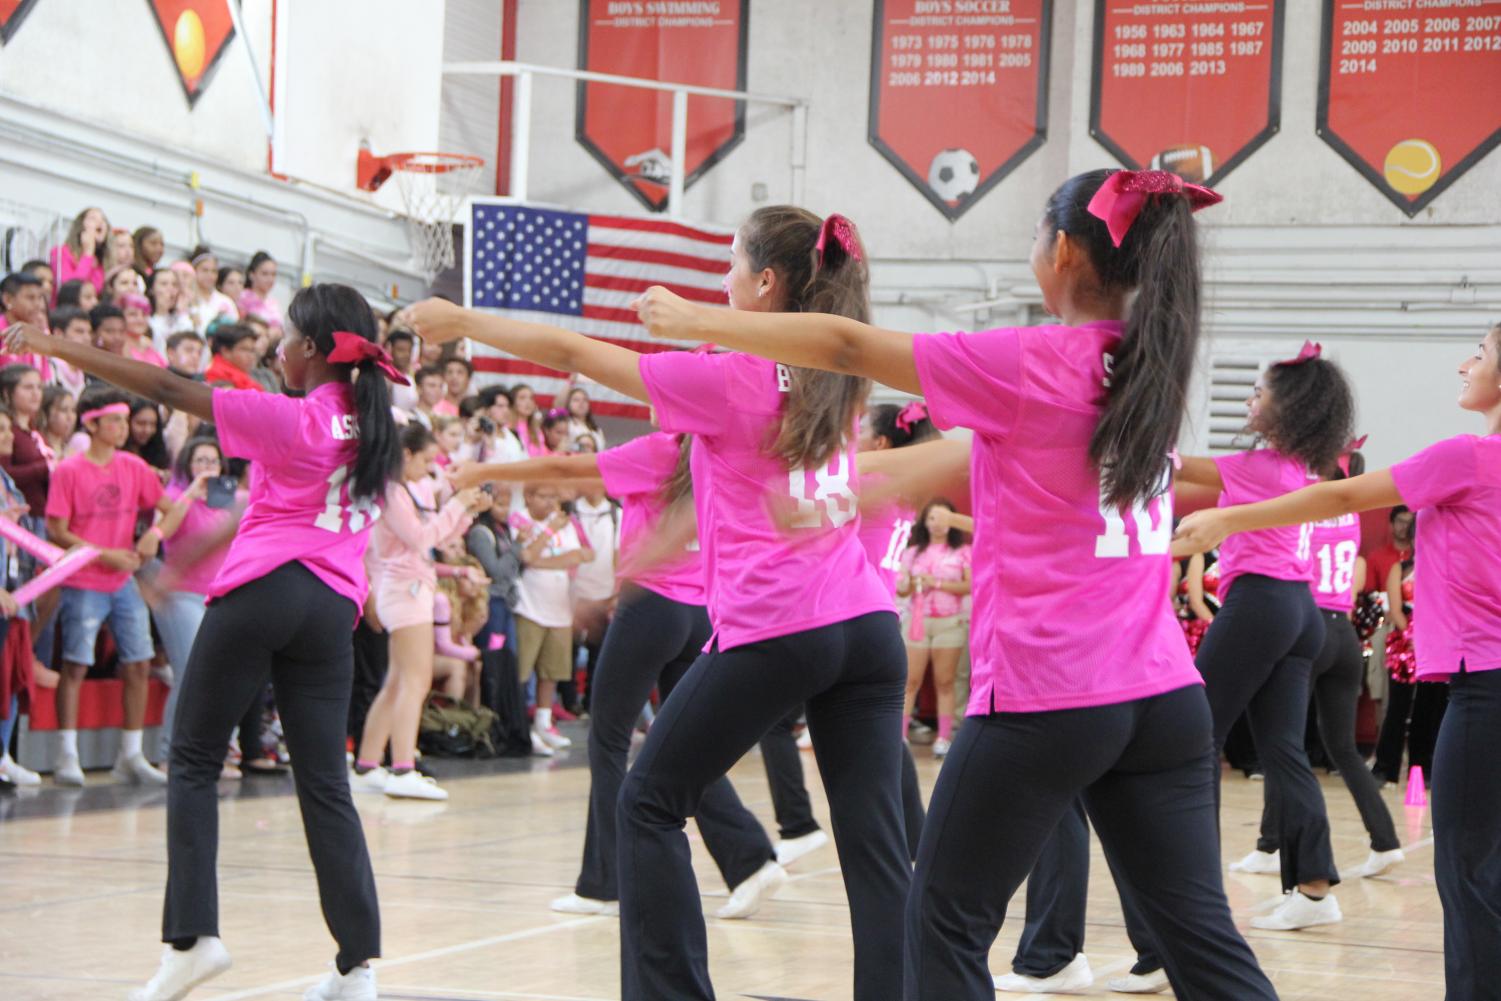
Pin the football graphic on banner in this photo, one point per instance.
(1195, 164)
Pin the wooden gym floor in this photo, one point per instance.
(465, 886)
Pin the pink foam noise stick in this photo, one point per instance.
(40, 548)
(70, 563)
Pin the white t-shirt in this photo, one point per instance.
(595, 581)
(545, 596)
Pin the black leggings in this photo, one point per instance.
(652, 641)
(1256, 659)
(1466, 833)
(1337, 676)
(1414, 713)
(852, 675)
(789, 794)
(1146, 771)
(287, 627)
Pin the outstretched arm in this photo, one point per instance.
(546, 468)
(805, 340)
(130, 375)
(1203, 530)
(440, 321)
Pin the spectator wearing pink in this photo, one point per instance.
(528, 426)
(457, 375)
(405, 578)
(120, 252)
(95, 498)
(81, 255)
(58, 419)
(209, 304)
(72, 324)
(138, 345)
(24, 301)
(164, 289)
(429, 383)
(42, 272)
(229, 283)
(120, 282)
(257, 299)
(936, 573)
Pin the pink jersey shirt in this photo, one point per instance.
(100, 505)
(761, 582)
(302, 453)
(1070, 600)
(884, 534)
(1455, 487)
(1280, 553)
(941, 563)
(412, 525)
(634, 474)
(190, 556)
(67, 266)
(1336, 547)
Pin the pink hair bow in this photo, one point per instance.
(1309, 352)
(1344, 460)
(842, 231)
(1357, 444)
(911, 414)
(1121, 197)
(352, 349)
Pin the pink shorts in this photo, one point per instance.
(402, 603)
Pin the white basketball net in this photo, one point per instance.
(434, 188)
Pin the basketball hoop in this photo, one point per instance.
(430, 207)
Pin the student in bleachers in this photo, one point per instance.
(71, 324)
(81, 255)
(257, 299)
(209, 304)
(78, 294)
(457, 374)
(581, 422)
(185, 355)
(42, 272)
(164, 289)
(120, 252)
(430, 388)
(234, 357)
(122, 281)
(230, 282)
(58, 419)
(402, 347)
(138, 337)
(149, 248)
(145, 440)
(24, 300)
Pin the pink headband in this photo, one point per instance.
(133, 300)
(352, 349)
(123, 409)
(1309, 352)
(843, 233)
(911, 414)
(1120, 199)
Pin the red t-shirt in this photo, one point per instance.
(100, 505)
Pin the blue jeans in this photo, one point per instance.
(84, 612)
(177, 620)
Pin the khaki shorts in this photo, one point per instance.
(949, 632)
(546, 650)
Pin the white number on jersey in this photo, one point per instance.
(1337, 567)
(901, 532)
(338, 508)
(1305, 540)
(831, 489)
(1115, 544)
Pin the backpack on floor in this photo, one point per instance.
(452, 729)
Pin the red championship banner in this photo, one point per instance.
(12, 13)
(197, 33)
(1190, 87)
(628, 129)
(1410, 91)
(959, 92)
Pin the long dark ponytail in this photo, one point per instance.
(319, 310)
(821, 406)
(1148, 378)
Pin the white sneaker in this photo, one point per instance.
(1375, 865)
(540, 747)
(137, 771)
(1297, 911)
(414, 785)
(789, 850)
(356, 985)
(1076, 976)
(805, 740)
(753, 892)
(575, 904)
(12, 769)
(941, 747)
(68, 772)
(1140, 983)
(1260, 863)
(372, 781)
(180, 972)
(552, 738)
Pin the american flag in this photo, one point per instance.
(581, 271)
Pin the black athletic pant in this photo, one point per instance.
(1414, 713)
(1146, 770)
(287, 627)
(1467, 837)
(1256, 658)
(789, 793)
(852, 676)
(1337, 676)
(652, 642)
(1057, 895)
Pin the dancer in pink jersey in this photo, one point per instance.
(1455, 488)
(282, 608)
(659, 628)
(1080, 679)
(796, 619)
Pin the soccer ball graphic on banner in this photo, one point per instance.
(954, 174)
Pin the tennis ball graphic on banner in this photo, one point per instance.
(188, 44)
(1413, 166)
(954, 174)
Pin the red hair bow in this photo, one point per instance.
(1309, 352)
(1121, 197)
(841, 231)
(352, 349)
(911, 414)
